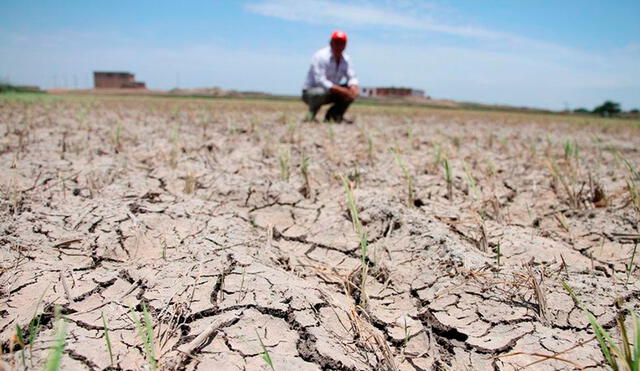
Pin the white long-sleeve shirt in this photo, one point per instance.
(324, 72)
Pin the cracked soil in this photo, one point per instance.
(199, 210)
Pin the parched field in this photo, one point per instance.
(226, 234)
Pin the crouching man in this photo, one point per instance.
(329, 67)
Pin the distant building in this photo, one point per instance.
(116, 80)
(390, 92)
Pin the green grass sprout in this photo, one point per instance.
(265, 353)
(107, 339)
(55, 352)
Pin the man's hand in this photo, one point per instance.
(354, 90)
(349, 93)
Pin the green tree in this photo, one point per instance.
(608, 109)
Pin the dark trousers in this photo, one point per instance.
(317, 97)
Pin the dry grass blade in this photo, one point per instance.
(483, 241)
(630, 266)
(539, 295)
(365, 332)
(65, 285)
(549, 357)
(555, 355)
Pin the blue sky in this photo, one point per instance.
(550, 54)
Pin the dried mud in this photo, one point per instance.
(182, 205)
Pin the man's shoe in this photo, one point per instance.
(339, 120)
(343, 120)
(348, 121)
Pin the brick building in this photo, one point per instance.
(390, 92)
(116, 80)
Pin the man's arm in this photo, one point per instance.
(350, 92)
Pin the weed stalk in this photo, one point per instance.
(630, 265)
(304, 170)
(449, 177)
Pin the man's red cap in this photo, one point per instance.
(339, 35)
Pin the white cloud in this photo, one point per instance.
(364, 14)
(411, 17)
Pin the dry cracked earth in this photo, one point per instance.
(199, 211)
